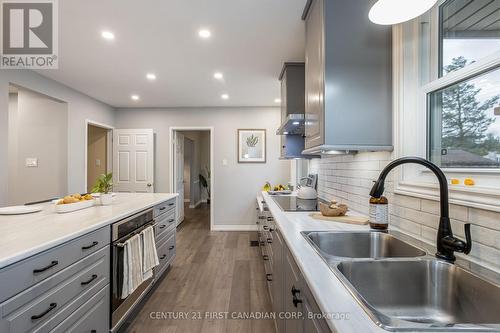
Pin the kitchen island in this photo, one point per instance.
(57, 270)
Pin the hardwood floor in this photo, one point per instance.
(213, 272)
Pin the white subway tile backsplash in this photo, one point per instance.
(349, 178)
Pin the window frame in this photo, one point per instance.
(416, 73)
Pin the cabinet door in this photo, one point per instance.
(284, 103)
(292, 296)
(314, 128)
(277, 247)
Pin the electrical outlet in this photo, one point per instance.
(31, 162)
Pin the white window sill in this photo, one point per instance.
(487, 198)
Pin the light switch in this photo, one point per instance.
(97, 162)
(31, 162)
(224, 162)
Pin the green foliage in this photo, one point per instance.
(204, 182)
(104, 184)
(465, 119)
(252, 141)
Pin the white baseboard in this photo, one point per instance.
(235, 227)
(196, 204)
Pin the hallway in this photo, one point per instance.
(213, 272)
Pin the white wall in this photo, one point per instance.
(235, 184)
(80, 107)
(37, 129)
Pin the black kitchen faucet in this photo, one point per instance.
(447, 244)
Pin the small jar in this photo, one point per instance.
(379, 213)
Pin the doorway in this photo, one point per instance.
(98, 157)
(191, 171)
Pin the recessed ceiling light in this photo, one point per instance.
(151, 76)
(135, 97)
(285, 133)
(204, 33)
(296, 123)
(224, 96)
(218, 75)
(277, 100)
(108, 35)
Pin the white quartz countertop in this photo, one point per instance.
(22, 236)
(329, 292)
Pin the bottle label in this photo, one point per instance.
(379, 214)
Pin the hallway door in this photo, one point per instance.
(179, 174)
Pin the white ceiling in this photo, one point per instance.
(250, 41)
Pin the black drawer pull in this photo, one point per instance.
(171, 204)
(269, 240)
(40, 270)
(52, 306)
(270, 219)
(163, 257)
(296, 301)
(162, 226)
(171, 220)
(171, 247)
(163, 208)
(295, 291)
(265, 227)
(271, 229)
(269, 277)
(265, 257)
(84, 283)
(93, 331)
(94, 243)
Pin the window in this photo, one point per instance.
(464, 122)
(464, 115)
(469, 30)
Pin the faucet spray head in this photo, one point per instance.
(377, 189)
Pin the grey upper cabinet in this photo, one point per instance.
(348, 78)
(314, 127)
(292, 79)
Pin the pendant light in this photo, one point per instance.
(387, 12)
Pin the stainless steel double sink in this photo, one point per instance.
(402, 288)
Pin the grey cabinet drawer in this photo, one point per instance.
(41, 304)
(92, 316)
(166, 253)
(164, 224)
(164, 207)
(26, 273)
(164, 237)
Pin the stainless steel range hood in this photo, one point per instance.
(293, 125)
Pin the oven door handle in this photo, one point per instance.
(122, 241)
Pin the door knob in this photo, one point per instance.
(149, 184)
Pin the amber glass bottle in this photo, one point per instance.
(379, 213)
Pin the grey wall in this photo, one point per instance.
(37, 129)
(235, 184)
(80, 107)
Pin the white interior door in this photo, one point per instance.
(179, 174)
(133, 160)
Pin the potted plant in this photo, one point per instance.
(104, 186)
(205, 183)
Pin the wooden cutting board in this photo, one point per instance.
(350, 219)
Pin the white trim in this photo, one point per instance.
(109, 142)
(191, 206)
(235, 227)
(410, 90)
(172, 155)
(479, 67)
